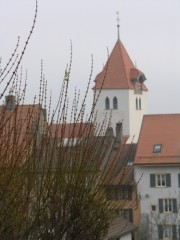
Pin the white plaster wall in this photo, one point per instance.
(149, 196)
(122, 113)
(126, 237)
(136, 116)
(142, 176)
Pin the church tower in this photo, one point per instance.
(123, 92)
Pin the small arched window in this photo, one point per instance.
(107, 104)
(115, 103)
(136, 104)
(139, 103)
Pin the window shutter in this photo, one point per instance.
(179, 180)
(174, 234)
(130, 215)
(108, 193)
(129, 189)
(116, 192)
(152, 180)
(160, 232)
(174, 205)
(160, 205)
(168, 180)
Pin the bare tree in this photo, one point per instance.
(51, 185)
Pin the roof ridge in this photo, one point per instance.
(121, 45)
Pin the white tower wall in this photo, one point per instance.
(119, 114)
(126, 111)
(136, 114)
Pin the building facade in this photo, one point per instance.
(157, 171)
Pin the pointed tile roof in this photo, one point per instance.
(119, 71)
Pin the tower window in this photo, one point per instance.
(115, 103)
(136, 104)
(107, 104)
(139, 103)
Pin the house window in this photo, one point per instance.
(157, 148)
(107, 104)
(179, 180)
(153, 208)
(127, 214)
(167, 205)
(160, 180)
(115, 103)
(167, 232)
(116, 192)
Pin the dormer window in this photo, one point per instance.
(107, 103)
(142, 78)
(157, 148)
(115, 103)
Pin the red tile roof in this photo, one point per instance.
(159, 129)
(118, 170)
(120, 227)
(74, 130)
(118, 71)
(16, 129)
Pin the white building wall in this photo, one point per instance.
(149, 196)
(126, 237)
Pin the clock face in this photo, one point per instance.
(138, 87)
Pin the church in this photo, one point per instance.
(123, 92)
(156, 163)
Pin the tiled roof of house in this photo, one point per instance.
(120, 165)
(163, 130)
(73, 130)
(120, 227)
(119, 71)
(17, 127)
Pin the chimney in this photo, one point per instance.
(119, 133)
(45, 113)
(109, 132)
(10, 102)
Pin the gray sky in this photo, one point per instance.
(149, 30)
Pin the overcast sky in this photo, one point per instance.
(149, 30)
